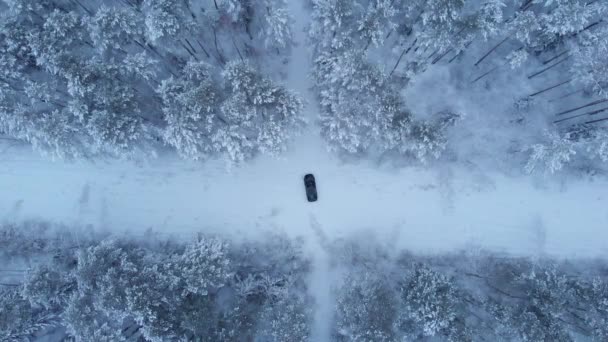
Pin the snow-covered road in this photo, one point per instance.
(420, 209)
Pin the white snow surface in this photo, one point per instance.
(421, 210)
(428, 210)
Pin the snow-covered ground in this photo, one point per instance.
(428, 210)
(424, 210)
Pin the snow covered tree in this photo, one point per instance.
(366, 307)
(551, 294)
(597, 146)
(16, 55)
(163, 18)
(250, 114)
(377, 21)
(191, 110)
(85, 322)
(334, 24)
(552, 156)
(204, 266)
(554, 21)
(48, 286)
(537, 305)
(115, 28)
(19, 320)
(77, 79)
(270, 299)
(569, 16)
(261, 115)
(104, 273)
(439, 21)
(107, 106)
(30, 239)
(597, 318)
(489, 18)
(524, 26)
(432, 306)
(176, 298)
(590, 66)
(276, 30)
(58, 42)
(351, 91)
(286, 315)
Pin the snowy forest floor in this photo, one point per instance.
(444, 208)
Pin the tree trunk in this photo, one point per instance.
(83, 7)
(593, 112)
(556, 57)
(580, 107)
(594, 121)
(566, 95)
(433, 54)
(237, 48)
(217, 48)
(203, 48)
(440, 57)
(405, 51)
(486, 73)
(189, 52)
(190, 45)
(527, 5)
(548, 68)
(461, 51)
(189, 9)
(491, 50)
(549, 88)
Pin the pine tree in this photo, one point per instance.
(191, 110)
(377, 20)
(590, 67)
(432, 305)
(19, 320)
(552, 156)
(115, 28)
(439, 22)
(334, 24)
(48, 286)
(163, 18)
(276, 30)
(262, 115)
(107, 106)
(366, 308)
(57, 43)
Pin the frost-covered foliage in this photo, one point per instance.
(79, 79)
(431, 303)
(366, 307)
(236, 113)
(119, 288)
(261, 115)
(468, 298)
(590, 65)
(560, 150)
(20, 320)
(368, 53)
(362, 105)
(552, 156)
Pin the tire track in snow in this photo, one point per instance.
(298, 78)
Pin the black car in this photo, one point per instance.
(311, 187)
